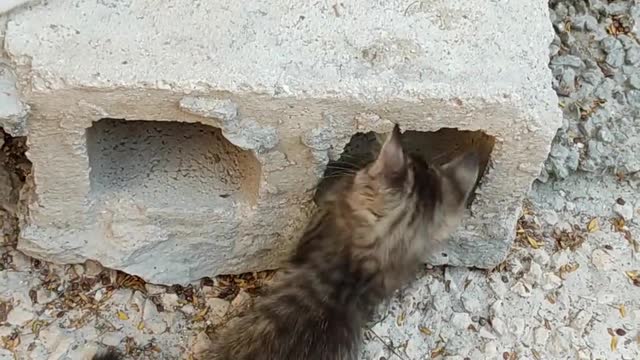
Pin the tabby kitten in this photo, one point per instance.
(365, 241)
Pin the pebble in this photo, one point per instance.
(540, 335)
(521, 289)
(241, 300)
(517, 327)
(471, 301)
(6, 354)
(112, 338)
(188, 309)
(92, 268)
(625, 210)
(499, 326)
(485, 333)
(218, 307)
(601, 260)
(152, 319)
(460, 321)
(169, 301)
(19, 316)
(490, 350)
(549, 217)
(496, 308)
(534, 275)
(550, 281)
(201, 343)
(581, 320)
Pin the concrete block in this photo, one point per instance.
(181, 139)
(13, 113)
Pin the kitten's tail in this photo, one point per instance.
(107, 355)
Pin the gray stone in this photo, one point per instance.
(13, 113)
(568, 60)
(460, 320)
(625, 210)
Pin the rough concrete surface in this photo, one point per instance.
(271, 91)
(565, 293)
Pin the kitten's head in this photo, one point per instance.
(400, 198)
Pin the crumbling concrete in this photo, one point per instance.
(230, 118)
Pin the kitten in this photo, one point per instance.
(366, 240)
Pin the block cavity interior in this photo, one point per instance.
(168, 164)
(436, 147)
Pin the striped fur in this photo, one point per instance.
(365, 241)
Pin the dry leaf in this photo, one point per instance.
(536, 354)
(437, 352)
(532, 242)
(400, 319)
(122, 316)
(634, 276)
(425, 330)
(610, 331)
(140, 325)
(614, 343)
(592, 226)
(622, 310)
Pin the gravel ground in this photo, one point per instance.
(570, 289)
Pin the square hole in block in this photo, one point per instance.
(169, 164)
(436, 147)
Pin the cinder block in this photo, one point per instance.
(182, 139)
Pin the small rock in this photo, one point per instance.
(581, 320)
(188, 309)
(78, 269)
(521, 289)
(6, 354)
(601, 260)
(625, 211)
(633, 55)
(550, 281)
(568, 60)
(499, 326)
(496, 308)
(241, 300)
(19, 316)
(201, 344)
(541, 257)
(20, 261)
(549, 217)
(92, 268)
(45, 296)
(218, 307)
(534, 275)
(490, 350)
(471, 301)
(460, 320)
(634, 80)
(152, 319)
(540, 335)
(498, 286)
(98, 295)
(112, 338)
(517, 327)
(484, 333)
(169, 301)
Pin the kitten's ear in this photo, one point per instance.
(463, 170)
(391, 162)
